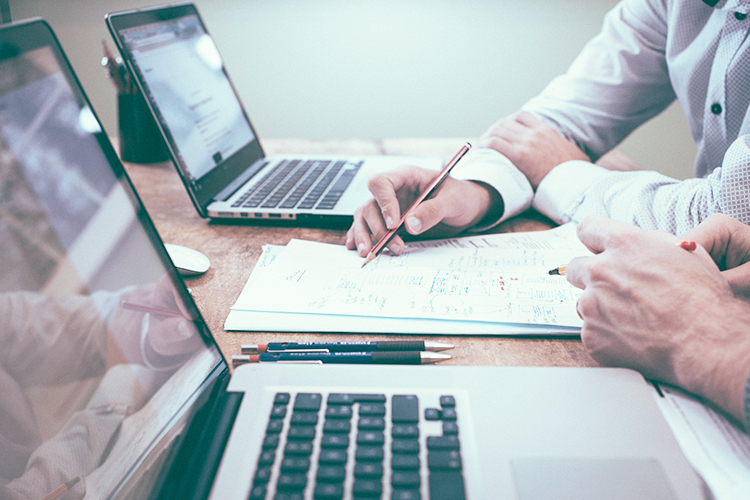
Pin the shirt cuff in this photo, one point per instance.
(492, 168)
(562, 189)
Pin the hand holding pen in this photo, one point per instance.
(448, 209)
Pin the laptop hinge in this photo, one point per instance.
(240, 180)
(192, 472)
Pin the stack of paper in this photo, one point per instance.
(495, 284)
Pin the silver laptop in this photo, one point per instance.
(112, 386)
(211, 140)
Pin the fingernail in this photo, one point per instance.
(415, 225)
(361, 247)
(388, 221)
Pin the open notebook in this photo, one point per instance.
(112, 386)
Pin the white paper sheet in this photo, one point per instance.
(714, 446)
(496, 284)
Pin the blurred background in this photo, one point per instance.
(332, 69)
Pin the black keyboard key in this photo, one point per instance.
(337, 425)
(307, 402)
(374, 453)
(367, 488)
(295, 464)
(262, 475)
(278, 411)
(304, 418)
(271, 442)
(405, 479)
(372, 409)
(405, 409)
(332, 456)
(347, 399)
(282, 398)
(288, 496)
(405, 431)
(442, 442)
(298, 448)
(405, 446)
(267, 457)
(335, 441)
(402, 494)
(368, 470)
(291, 482)
(370, 438)
(331, 473)
(339, 411)
(450, 428)
(328, 491)
(449, 414)
(444, 459)
(432, 414)
(447, 401)
(405, 462)
(446, 485)
(301, 433)
(258, 492)
(274, 426)
(371, 423)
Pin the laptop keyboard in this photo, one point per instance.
(358, 446)
(300, 184)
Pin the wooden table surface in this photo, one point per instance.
(234, 249)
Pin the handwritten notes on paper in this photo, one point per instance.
(462, 282)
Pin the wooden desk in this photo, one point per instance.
(234, 249)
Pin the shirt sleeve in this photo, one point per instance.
(618, 81)
(496, 171)
(648, 199)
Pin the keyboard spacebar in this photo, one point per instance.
(446, 485)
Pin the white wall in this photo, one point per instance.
(377, 68)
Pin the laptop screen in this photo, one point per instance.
(101, 349)
(182, 75)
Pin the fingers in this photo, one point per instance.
(598, 233)
(368, 226)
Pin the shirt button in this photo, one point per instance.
(716, 108)
(740, 16)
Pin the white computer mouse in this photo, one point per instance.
(188, 262)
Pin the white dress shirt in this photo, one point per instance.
(648, 53)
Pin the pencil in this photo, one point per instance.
(151, 309)
(431, 187)
(60, 490)
(558, 271)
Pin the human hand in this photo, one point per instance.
(455, 206)
(167, 335)
(649, 305)
(727, 240)
(531, 145)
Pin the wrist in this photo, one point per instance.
(717, 367)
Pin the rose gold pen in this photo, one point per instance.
(431, 187)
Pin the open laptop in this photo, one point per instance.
(211, 140)
(112, 386)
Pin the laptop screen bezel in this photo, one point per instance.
(204, 190)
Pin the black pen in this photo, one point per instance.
(368, 358)
(348, 346)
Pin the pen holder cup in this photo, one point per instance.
(140, 139)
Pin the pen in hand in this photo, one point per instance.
(431, 187)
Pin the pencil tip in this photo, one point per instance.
(370, 257)
(554, 272)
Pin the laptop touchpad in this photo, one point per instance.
(590, 479)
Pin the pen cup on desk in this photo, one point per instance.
(140, 139)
